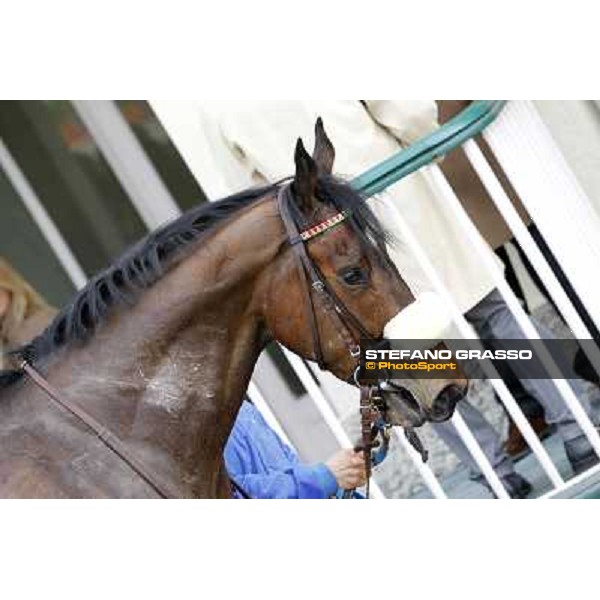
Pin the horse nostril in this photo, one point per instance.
(447, 399)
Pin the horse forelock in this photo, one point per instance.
(344, 197)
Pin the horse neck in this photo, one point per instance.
(169, 374)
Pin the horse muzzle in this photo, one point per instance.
(405, 406)
(445, 403)
(401, 408)
(422, 325)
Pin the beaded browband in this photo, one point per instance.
(324, 226)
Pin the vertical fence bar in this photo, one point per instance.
(424, 470)
(42, 218)
(128, 160)
(480, 458)
(265, 410)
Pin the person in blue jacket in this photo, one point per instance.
(263, 466)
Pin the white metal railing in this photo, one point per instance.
(263, 407)
(561, 210)
(524, 321)
(464, 328)
(125, 155)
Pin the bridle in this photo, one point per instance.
(317, 290)
(315, 285)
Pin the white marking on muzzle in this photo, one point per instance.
(427, 318)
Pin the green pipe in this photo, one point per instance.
(464, 126)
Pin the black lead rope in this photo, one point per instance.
(416, 443)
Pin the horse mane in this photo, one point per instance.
(147, 261)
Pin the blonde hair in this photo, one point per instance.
(24, 302)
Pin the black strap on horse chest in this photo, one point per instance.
(164, 489)
(112, 442)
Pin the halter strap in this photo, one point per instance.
(305, 268)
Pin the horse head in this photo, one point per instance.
(335, 285)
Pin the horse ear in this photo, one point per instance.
(305, 180)
(324, 153)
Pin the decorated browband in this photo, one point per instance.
(324, 226)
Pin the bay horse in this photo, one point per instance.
(160, 347)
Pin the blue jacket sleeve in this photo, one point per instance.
(264, 467)
(291, 482)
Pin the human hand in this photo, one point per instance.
(348, 468)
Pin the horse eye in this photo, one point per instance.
(354, 276)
